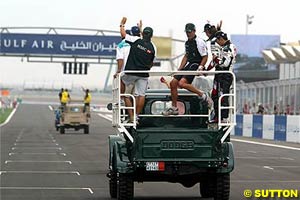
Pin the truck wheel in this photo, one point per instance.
(222, 188)
(207, 188)
(113, 184)
(125, 187)
(62, 130)
(86, 130)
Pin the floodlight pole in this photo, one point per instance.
(247, 18)
(248, 22)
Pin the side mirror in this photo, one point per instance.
(109, 106)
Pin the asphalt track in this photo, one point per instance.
(38, 163)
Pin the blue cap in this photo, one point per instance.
(135, 31)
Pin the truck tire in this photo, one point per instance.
(207, 188)
(125, 187)
(113, 184)
(86, 130)
(62, 130)
(222, 187)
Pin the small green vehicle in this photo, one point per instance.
(179, 149)
(73, 115)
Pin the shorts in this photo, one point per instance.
(188, 67)
(129, 89)
(140, 84)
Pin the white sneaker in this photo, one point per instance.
(209, 101)
(171, 111)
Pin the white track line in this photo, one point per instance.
(105, 117)
(50, 107)
(40, 172)
(45, 188)
(265, 181)
(9, 117)
(35, 161)
(267, 167)
(282, 166)
(266, 144)
(258, 157)
(58, 148)
(22, 153)
(17, 143)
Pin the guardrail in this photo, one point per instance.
(272, 127)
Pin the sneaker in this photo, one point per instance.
(212, 121)
(122, 102)
(137, 120)
(207, 98)
(226, 121)
(212, 115)
(215, 120)
(171, 111)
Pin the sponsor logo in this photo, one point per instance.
(175, 145)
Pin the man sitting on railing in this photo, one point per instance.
(195, 58)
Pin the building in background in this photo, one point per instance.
(281, 95)
(250, 65)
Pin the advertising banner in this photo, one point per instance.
(257, 126)
(52, 44)
(238, 130)
(268, 127)
(247, 125)
(280, 128)
(293, 128)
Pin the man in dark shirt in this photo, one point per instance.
(140, 58)
(194, 59)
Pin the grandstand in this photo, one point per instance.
(283, 92)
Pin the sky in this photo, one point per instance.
(167, 18)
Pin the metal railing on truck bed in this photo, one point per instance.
(119, 109)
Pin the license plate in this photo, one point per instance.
(155, 166)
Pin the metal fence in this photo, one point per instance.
(275, 97)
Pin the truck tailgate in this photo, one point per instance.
(176, 144)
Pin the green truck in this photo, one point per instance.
(179, 149)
